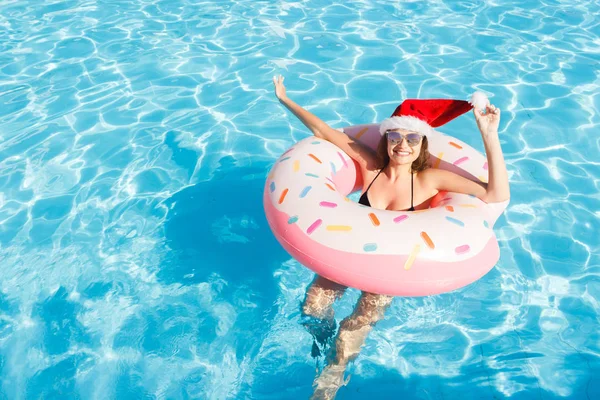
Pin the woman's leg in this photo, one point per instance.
(355, 328)
(317, 311)
(352, 334)
(320, 296)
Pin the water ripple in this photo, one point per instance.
(136, 135)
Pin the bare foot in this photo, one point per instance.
(329, 382)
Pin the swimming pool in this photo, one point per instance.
(136, 136)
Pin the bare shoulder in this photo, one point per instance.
(440, 179)
(432, 177)
(429, 175)
(435, 174)
(368, 173)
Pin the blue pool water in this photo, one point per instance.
(135, 138)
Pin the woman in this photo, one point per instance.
(395, 177)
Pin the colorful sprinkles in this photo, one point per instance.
(339, 228)
(343, 159)
(293, 220)
(283, 194)
(296, 166)
(427, 240)
(400, 218)
(439, 160)
(462, 249)
(460, 160)
(412, 257)
(456, 221)
(361, 132)
(458, 146)
(328, 204)
(370, 247)
(374, 219)
(272, 187)
(315, 158)
(305, 191)
(314, 226)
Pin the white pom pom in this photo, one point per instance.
(479, 100)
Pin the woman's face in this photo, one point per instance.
(404, 146)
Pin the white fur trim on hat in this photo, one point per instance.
(479, 100)
(405, 122)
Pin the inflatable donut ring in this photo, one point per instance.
(399, 253)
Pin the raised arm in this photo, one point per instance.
(497, 189)
(355, 150)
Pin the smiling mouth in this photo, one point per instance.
(402, 153)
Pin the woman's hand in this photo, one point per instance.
(279, 88)
(488, 122)
(498, 189)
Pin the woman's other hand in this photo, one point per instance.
(488, 122)
(279, 87)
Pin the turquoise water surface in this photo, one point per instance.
(135, 139)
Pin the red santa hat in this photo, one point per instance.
(424, 115)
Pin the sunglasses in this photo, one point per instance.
(395, 137)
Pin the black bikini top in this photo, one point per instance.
(364, 199)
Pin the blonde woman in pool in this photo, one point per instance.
(395, 177)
